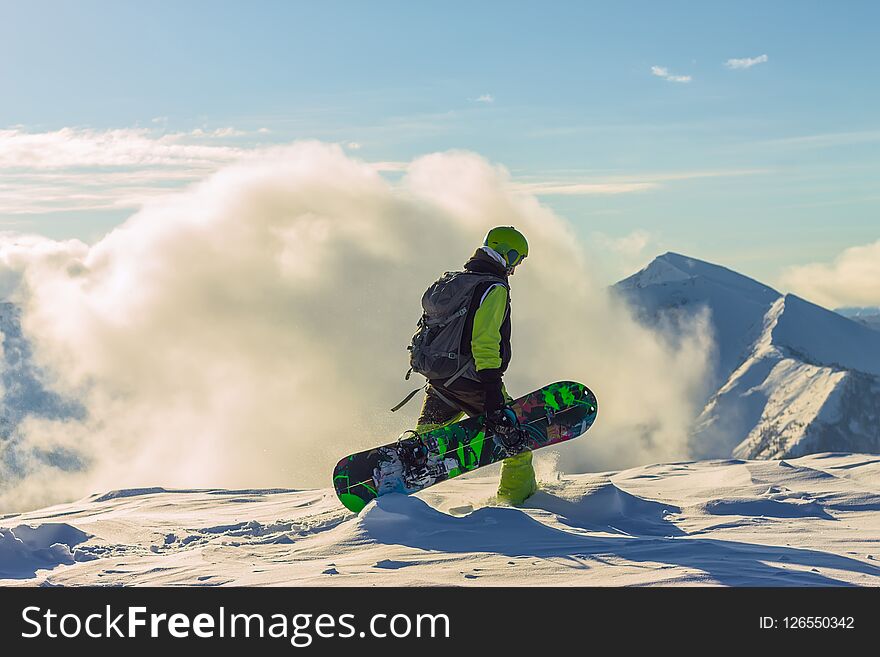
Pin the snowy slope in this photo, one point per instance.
(794, 377)
(809, 521)
(810, 384)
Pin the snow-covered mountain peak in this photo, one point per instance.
(676, 268)
(683, 285)
(669, 267)
(793, 377)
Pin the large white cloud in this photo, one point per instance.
(251, 330)
(852, 279)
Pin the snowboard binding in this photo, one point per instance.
(508, 434)
(413, 454)
(513, 442)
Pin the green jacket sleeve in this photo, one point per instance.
(486, 335)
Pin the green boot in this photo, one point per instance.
(517, 479)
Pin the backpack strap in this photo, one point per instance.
(445, 320)
(461, 370)
(406, 399)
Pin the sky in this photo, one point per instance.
(742, 133)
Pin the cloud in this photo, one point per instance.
(219, 133)
(389, 166)
(583, 189)
(79, 169)
(80, 148)
(620, 256)
(485, 98)
(621, 184)
(826, 140)
(746, 62)
(83, 169)
(251, 329)
(663, 72)
(630, 246)
(852, 279)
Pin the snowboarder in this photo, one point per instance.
(477, 388)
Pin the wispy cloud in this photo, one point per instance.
(83, 169)
(39, 192)
(826, 139)
(485, 98)
(583, 189)
(745, 62)
(663, 72)
(622, 184)
(219, 133)
(78, 148)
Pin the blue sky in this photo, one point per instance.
(760, 167)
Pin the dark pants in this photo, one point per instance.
(436, 412)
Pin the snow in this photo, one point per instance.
(806, 521)
(25, 550)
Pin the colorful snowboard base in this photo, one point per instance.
(554, 414)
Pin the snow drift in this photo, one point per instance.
(733, 523)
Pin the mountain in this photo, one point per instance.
(870, 317)
(793, 378)
(676, 284)
(23, 394)
(800, 522)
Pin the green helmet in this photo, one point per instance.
(509, 243)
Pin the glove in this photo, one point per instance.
(494, 392)
(494, 400)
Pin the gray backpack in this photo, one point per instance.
(435, 350)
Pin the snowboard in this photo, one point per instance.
(548, 416)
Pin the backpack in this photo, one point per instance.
(435, 349)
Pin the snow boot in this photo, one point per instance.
(517, 479)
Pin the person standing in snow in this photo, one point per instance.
(477, 387)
